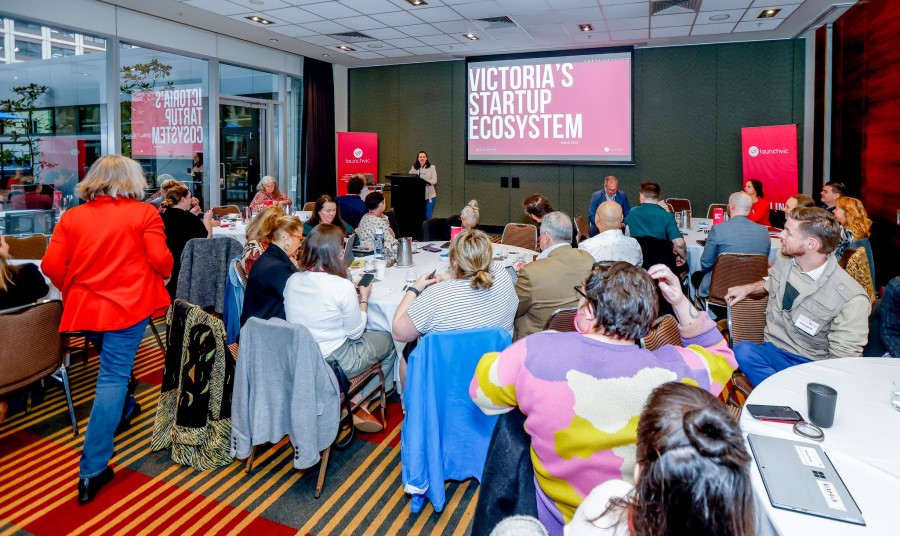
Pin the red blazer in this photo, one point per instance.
(760, 212)
(108, 257)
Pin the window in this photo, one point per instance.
(27, 50)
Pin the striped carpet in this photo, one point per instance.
(152, 495)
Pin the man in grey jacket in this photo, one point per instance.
(737, 235)
(816, 310)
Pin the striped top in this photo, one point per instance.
(454, 304)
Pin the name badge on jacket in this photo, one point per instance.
(807, 325)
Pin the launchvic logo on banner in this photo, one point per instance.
(357, 153)
(770, 155)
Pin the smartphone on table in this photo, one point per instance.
(784, 414)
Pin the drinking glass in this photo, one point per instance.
(502, 252)
(895, 394)
(411, 276)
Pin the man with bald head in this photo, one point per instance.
(737, 235)
(610, 192)
(611, 244)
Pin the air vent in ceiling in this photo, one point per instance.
(352, 37)
(674, 7)
(496, 23)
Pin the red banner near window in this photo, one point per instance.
(168, 122)
(357, 153)
(770, 155)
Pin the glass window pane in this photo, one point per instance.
(27, 50)
(27, 28)
(244, 82)
(61, 51)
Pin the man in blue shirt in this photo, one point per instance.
(650, 219)
(610, 192)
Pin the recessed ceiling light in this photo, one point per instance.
(471, 37)
(325, 56)
(585, 27)
(767, 13)
(721, 16)
(345, 48)
(376, 45)
(273, 40)
(256, 18)
(417, 2)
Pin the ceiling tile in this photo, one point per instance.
(616, 2)
(719, 17)
(421, 51)
(757, 26)
(416, 30)
(293, 15)
(438, 40)
(370, 6)
(293, 31)
(580, 15)
(359, 23)
(767, 3)
(397, 18)
(508, 33)
(364, 55)
(558, 39)
(662, 21)
(629, 35)
(721, 5)
(269, 4)
(537, 19)
(600, 38)
(458, 48)
(626, 11)
(326, 27)
(524, 6)
(753, 13)
(546, 30)
(672, 31)
(405, 5)
(376, 46)
(406, 42)
(710, 29)
(217, 6)
(571, 4)
(322, 40)
(480, 10)
(458, 2)
(331, 10)
(394, 53)
(457, 26)
(385, 33)
(639, 23)
(437, 14)
(300, 2)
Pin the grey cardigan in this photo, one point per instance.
(283, 386)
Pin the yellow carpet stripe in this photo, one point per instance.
(423, 516)
(359, 490)
(253, 497)
(393, 479)
(401, 518)
(389, 507)
(347, 484)
(450, 508)
(467, 516)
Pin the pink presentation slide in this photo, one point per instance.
(549, 109)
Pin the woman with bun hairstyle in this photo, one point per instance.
(182, 225)
(583, 391)
(264, 297)
(258, 231)
(691, 477)
(469, 215)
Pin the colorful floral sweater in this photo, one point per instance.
(582, 398)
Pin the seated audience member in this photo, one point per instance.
(692, 474)
(268, 195)
(327, 211)
(884, 324)
(546, 284)
(610, 244)
(815, 311)
(737, 235)
(351, 205)
(477, 293)
(537, 206)
(166, 181)
(258, 231)
(582, 392)
(856, 227)
(831, 192)
(180, 227)
(36, 199)
(20, 284)
(798, 200)
(333, 309)
(264, 297)
(759, 210)
(373, 220)
(610, 192)
(650, 219)
(469, 215)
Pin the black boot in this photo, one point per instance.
(88, 487)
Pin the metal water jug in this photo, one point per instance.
(404, 251)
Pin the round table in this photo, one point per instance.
(236, 230)
(387, 294)
(699, 230)
(863, 444)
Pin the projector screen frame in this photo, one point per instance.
(553, 54)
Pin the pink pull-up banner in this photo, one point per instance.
(770, 155)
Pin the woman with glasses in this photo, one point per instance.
(582, 392)
(264, 297)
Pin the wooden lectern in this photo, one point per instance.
(408, 202)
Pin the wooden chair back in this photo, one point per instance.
(584, 230)
(709, 211)
(32, 247)
(663, 331)
(678, 204)
(225, 209)
(309, 207)
(747, 319)
(520, 235)
(562, 320)
(732, 269)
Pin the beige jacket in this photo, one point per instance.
(829, 318)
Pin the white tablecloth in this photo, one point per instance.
(863, 444)
(387, 294)
(695, 250)
(54, 293)
(237, 231)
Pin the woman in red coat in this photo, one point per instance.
(759, 213)
(109, 258)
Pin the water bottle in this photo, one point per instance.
(684, 219)
(379, 243)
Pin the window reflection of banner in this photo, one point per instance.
(357, 153)
(770, 155)
(168, 122)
